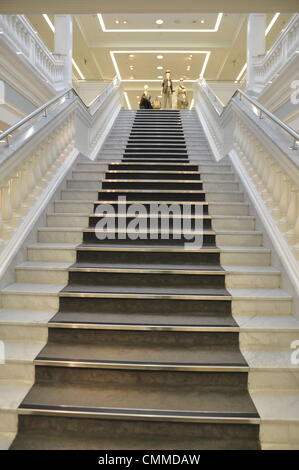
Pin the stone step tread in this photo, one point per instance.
(276, 323)
(275, 360)
(216, 293)
(259, 294)
(73, 246)
(133, 321)
(27, 289)
(91, 229)
(143, 397)
(126, 355)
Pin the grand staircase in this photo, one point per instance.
(143, 350)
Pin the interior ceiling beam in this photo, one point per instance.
(153, 6)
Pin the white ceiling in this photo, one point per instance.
(94, 50)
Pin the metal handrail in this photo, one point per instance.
(263, 111)
(43, 108)
(271, 116)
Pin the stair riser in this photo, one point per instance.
(92, 167)
(233, 223)
(95, 185)
(62, 236)
(206, 240)
(151, 185)
(267, 380)
(153, 176)
(39, 254)
(153, 339)
(254, 239)
(245, 259)
(146, 280)
(24, 333)
(53, 276)
(216, 208)
(67, 221)
(132, 196)
(254, 306)
(152, 167)
(234, 381)
(151, 306)
(8, 421)
(165, 223)
(34, 301)
(155, 435)
(267, 340)
(74, 207)
(41, 276)
(279, 435)
(217, 176)
(17, 372)
(252, 281)
(224, 197)
(90, 175)
(140, 257)
(217, 186)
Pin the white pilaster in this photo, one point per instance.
(256, 44)
(64, 44)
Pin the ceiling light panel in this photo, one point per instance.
(209, 22)
(145, 64)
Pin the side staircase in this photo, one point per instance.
(149, 343)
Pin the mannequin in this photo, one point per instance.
(167, 90)
(181, 93)
(145, 102)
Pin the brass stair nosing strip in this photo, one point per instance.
(95, 229)
(118, 295)
(133, 201)
(148, 163)
(147, 249)
(121, 414)
(151, 172)
(48, 362)
(149, 191)
(144, 327)
(147, 271)
(142, 216)
(153, 181)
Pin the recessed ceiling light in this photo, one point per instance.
(202, 21)
(159, 21)
(131, 67)
(159, 67)
(188, 67)
(117, 21)
(159, 57)
(131, 56)
(125, 22)
(160, 96)
(19, 52)
(159, 76)
(138, 96)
